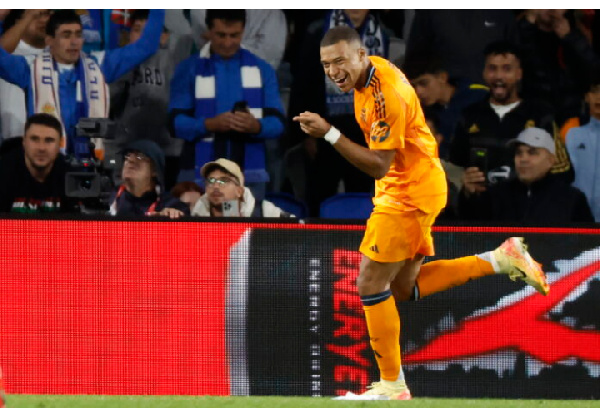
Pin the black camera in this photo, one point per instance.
(88, 178)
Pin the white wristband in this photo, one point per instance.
(333, 135)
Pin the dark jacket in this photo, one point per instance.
(480, 127)
(459, 37)
(546, 202)
(129, 205)
(20, 192)
(556, 70)
(447, 116)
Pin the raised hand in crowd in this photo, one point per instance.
(473, 181)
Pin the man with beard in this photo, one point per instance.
(487, 125)
(33, 176)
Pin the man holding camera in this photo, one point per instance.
(535, 196)
(142, 192)
(33, 176)
(225, 103)
(486, 126)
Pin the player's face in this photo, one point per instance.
(221, 187)
(532, 163)
(225, 37)
(66, 44)
(593, 99)
(41, 145)
(344, 64)
(429, 88)
(502, 74)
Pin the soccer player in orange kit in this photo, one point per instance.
(410, 191)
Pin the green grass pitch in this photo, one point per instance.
(274, 401)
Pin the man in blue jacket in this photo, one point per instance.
(225, 103)
(67, 83)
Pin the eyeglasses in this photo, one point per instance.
(136, 156)
(222, 181)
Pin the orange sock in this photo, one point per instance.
(383, 323)
(441, 275)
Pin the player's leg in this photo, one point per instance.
(390, 244)
(510, 258)
(383, 324)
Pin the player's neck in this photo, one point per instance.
(365, 76)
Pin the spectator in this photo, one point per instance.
(188, 192)
(226, 195)
(142, 191)
(140, 99)
(25, 35)
(225, 103)
(67, 83)
(442, 97)
(535, 196)
(583, 145)
(265, 33)
(557, 59)
(459, 37)
(32, 177)
(490, 123)
(453, 175)
(313, 91)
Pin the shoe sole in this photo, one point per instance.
(528, 267)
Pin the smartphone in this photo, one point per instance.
(231, 208)
(240, 106)
(479, 158)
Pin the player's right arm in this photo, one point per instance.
(375, 163)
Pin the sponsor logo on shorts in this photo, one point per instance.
(374, 248)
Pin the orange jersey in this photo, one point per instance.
(390, 115)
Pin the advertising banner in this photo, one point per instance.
(204, 308)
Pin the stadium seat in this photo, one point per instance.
(350, 205)
(288, 203)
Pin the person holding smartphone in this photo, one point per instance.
(226, 195)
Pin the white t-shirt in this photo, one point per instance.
(13, 111)
(502, 110)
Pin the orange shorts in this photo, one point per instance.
(397, 236)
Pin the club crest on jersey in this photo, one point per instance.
(380, 131)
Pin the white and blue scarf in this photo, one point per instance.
(206, 102)
(92, 92)
(376, 43)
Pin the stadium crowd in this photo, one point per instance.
(201, 104)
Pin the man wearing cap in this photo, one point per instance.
(142, 191)
(226, 195)
(535, 196)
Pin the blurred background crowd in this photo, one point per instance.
(198, 107)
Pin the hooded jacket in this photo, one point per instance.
(247, 207)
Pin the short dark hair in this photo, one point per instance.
(338, 34)
(139, 14)
(595, 79)
(185, 186)
(60, 17)
(229, 16)
(501, 48)
(422, 64)
(47, 120)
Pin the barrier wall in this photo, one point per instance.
(205, 308)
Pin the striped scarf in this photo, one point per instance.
(92, 93)
(206, 102)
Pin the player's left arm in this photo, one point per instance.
(374, 162)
